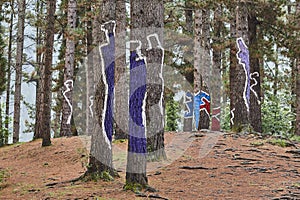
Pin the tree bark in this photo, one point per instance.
(3, 79)
(46, 75)
(19, 63)
(297, 86)
(198, 50)
(67, 104)
(239, 73)
(255, 84)
(205, 70)
(189, 17)
(89, 72)
(297, 123)
(121, 81)
(216, 72)
(39, 44)
(9, 57)
(101, 146)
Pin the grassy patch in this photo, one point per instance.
(119, 141)
(296, 185)
(295, 138)
(278, 142)
(3, 175)
(257, 143)
(135, 187)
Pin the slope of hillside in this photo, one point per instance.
(223, 167)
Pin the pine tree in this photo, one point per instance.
(19, 63)
(46, 75)
(3, 79)
(239, 69)
(101, 144)
(67, 105)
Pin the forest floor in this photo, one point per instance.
(214, 166)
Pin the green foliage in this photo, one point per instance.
(172, 116)
(279, 142)
(31, 113)
(4, 133)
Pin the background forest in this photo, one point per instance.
(68, 69)
(35, 50)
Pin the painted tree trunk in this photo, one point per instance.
(147, 27)
(198, 50)
(19, 63)
(201, 70)
(67, 104)
(137, 141)
(47, 75)
(103, 35)
(205, 69)
(239, 71)
(216, 72)
(121, 80)
(189, 112)
(255, 79)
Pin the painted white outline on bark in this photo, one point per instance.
(254, 84)
(185, 101)
(161, 71)
(141, 57)
(216, 116)
(91, 99)
(206, 111)
(68, 89)
(104, 78)
(232, 116)
(246, 72)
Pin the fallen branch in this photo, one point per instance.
(64, 182)
(197, 167)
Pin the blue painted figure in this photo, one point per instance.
(137, 120)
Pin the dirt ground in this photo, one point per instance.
(214, 166)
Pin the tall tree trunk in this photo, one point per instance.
(297, 80)
(216, 72)
(239, 70)
(121, 82)
(255, 95)
(67, 105)
(46, 75)
(149, 17)
(19, 63)
(39, 44)
(205, 70)
(297, 72)
(89, 71)
(189, 17)
(3, 68)
(198, 50)
(101, 146)
(147, 27)
(9, 57)
(189, 97)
